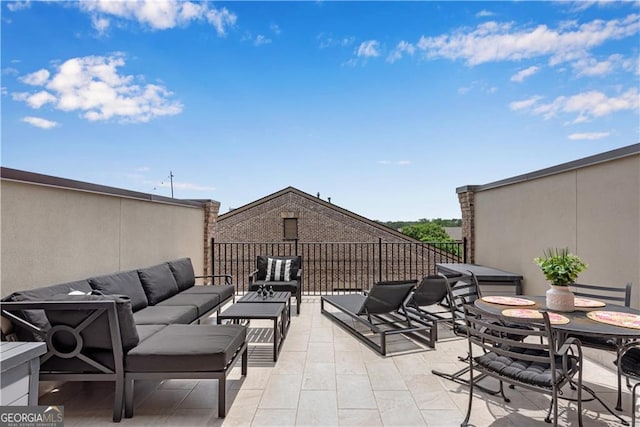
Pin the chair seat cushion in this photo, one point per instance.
(187, 348)
(528, 372)
(166, 315)
(203, 302)
(630, 362)
(145, 331)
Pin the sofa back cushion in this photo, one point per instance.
(182, 270)
(123, 283)
(96, 335)
(158, 283)
(275, 268)
(38, 317)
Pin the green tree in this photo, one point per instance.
(427, 232)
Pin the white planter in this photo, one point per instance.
(560, 298)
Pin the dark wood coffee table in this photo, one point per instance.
(275, 311)
(277, 297)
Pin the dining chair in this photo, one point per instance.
(496, 349)
(463, 292)
(629, 365)
(610, 295)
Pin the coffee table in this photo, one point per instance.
(275, 311)
(277, 297)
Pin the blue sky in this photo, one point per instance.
(386, 107)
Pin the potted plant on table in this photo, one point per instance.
(561, 268)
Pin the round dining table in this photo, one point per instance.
(579, 323)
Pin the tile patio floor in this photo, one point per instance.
(326, 377)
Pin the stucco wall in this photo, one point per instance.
(52, 235)
(593, 210)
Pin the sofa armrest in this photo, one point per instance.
(253, 276)
(228, 279)
(90, 311)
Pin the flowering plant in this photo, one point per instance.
(560, 266)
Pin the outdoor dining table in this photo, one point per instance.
(579, 322)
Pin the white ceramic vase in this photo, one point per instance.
(560, 298)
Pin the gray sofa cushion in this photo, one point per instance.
(38, 317)
(123, 283)
(187, 348)
(145, 331)
(96, 335)
(158, 283)
(223, 291)
(182, 270)
(202, 302)
(166, 315)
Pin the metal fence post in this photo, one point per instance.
(379, 259)
(213, 253)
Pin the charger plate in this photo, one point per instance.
(528, 313)
(502, 300)
(587, 303)
(615, 318)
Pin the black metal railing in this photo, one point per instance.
(335, 267)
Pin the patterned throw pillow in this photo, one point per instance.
(278, 270)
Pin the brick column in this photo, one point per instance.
(211, 209)
(466, 197)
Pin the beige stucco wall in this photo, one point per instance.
(593, 210)
(52, 235)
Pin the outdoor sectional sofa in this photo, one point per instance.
(139, 324)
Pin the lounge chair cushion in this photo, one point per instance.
(534, 373)
(224, 292)
(202, 302)
(166, 315)
(187, 348)
(264, 262)
(123, 283)
(38, 317)
(96, 335)
(158, 283)
(182, 270)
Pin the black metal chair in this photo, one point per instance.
(283, 274)
(498, 348)
(607, 294)
(381, 310)
(629, 365)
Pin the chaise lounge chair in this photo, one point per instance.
(381, 311)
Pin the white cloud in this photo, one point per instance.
(591, 67)
(402, 48)
(158, 14)
(589, 136)
(493, 41)
(328, 40)
(261, 40)
(585, 106)
(525, 103)
(39, 122)
(37, 78)
(18, 5)
(275, 28)
(35, 100)
(92, 86)
(10, 71)
(484, 14)
(100, 24)
(4, 90)
(523, 74)
(368, 49)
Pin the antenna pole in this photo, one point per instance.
(171, 178)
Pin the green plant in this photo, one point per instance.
(560, 266)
